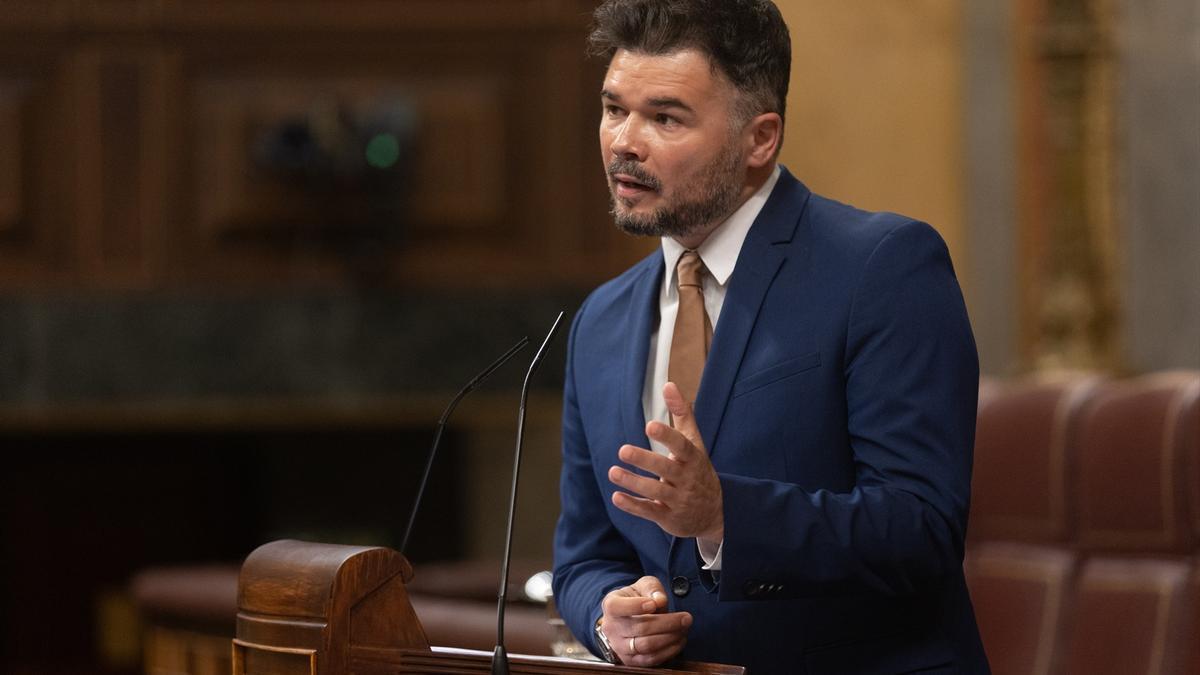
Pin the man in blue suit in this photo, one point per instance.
(768, 423)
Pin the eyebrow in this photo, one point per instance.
(658, 102)
(669, 102)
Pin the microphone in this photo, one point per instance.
(441, 426)
(500, 655)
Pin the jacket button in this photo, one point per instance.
(680, 586)
(751, 588)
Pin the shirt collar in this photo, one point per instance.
(720, 250)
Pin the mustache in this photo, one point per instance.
(632, 168)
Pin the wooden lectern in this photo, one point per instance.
(325, 609)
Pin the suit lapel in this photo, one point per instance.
(747, 288)
(742, 302)
(762, 254)
(643, 313)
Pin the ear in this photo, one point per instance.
(764, 134)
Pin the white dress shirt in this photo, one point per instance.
(719, 253)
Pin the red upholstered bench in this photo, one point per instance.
(1083, 551)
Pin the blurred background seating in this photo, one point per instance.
(1096, 573)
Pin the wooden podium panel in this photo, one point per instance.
(325, 609)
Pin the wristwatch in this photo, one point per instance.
(606, 650)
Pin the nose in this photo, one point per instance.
(627, 142)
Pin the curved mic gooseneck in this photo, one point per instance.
(441, 426)
(500, 655)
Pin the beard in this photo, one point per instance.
(710, 197)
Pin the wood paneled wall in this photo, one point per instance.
(128, 132)
(132, 122)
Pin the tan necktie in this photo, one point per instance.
(693, 331)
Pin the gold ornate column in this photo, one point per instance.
(1068, 257)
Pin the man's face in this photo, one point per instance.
(675, 163)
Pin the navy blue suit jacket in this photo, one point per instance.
(838, 407)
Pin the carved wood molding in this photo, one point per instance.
(13, 129)
(29, 219)
(293, 15)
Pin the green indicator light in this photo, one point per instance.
(383, 151)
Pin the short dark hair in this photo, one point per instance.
(746, 40)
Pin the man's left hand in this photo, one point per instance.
(685, 500)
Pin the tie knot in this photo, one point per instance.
(690, 269)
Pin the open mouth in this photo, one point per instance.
(626, 185)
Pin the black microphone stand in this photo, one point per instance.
(500, 655)
(441, 426)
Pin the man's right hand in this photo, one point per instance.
(640, 633)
